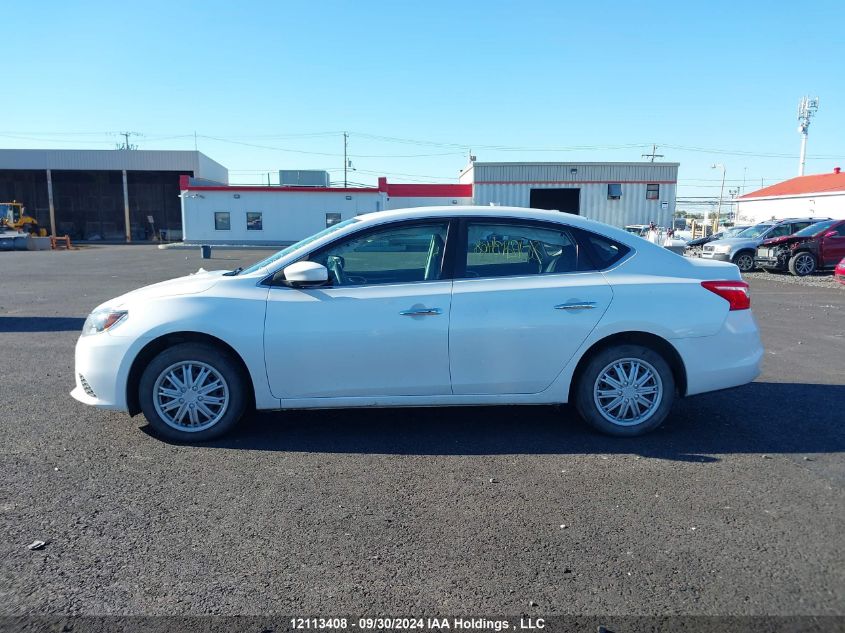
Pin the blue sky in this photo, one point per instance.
(589, 81)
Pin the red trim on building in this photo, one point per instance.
(817, 183)
(429, 191)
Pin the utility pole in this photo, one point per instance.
(345, 161)
(653, 154)
(806, 110)
(126, 144)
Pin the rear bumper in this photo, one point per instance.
(729, 358)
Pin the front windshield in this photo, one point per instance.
(289, 249)
(818, 227)
(755, 231)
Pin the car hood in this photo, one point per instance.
(784, 239)
(735, 241)
(194, 283)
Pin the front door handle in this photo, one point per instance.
(576, 305)
(421, 312)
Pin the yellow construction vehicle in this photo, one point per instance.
(13, 216)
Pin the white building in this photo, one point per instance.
(614, 193)
(222, 214)
(818, 195)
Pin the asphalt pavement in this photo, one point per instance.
(734, 507)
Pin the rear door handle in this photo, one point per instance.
(576, 305)
(421, 312)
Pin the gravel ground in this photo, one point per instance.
(817, 280)
(734, 507)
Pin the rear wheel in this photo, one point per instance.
(802, 264)
(192, 392)
(744, 261)
(625, 390)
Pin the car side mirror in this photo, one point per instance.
(304, 274)
(831, 234)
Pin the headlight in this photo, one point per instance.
(722, 248)
(102, 320)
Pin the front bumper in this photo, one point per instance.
(100, 371)
(721, 257)
(729, 358)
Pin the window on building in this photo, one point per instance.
(222, 221)
(254, 221)
(614, 191)
(332, 219)
(652, 191)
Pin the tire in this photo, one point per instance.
(219, 399)
(744, 260)
(802, 264)
(597, 409)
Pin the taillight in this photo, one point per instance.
(736, 293)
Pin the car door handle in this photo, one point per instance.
(421, 312)
(576, 305)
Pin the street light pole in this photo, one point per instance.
(721, 191)
(345, 161)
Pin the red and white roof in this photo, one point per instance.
(831, 183)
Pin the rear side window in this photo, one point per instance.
(602, 251)
(495, 249)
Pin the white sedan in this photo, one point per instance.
(436, 306)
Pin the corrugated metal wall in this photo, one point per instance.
(632, 208)
(510, 184)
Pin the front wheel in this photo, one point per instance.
(745, 262)
(802, 264)
(625, 390)
(192, 392)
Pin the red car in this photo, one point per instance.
(819, 246)
(839, 271)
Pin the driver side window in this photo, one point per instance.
(389, 255)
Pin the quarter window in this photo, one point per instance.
(254, 221)
(652, 191)
(222, 221)
(506, 250)
(614, 191)
(394, 255)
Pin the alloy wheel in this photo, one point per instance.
(745, 262)
(804, 264)
(190, 396)
(628, 391)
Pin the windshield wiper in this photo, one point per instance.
(232, 273)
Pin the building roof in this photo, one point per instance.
(113, 160)
(802, 185)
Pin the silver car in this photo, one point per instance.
(741, 249)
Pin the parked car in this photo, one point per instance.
(819, 246)
(571, 311)
(724, 233)
(839, 271)
(742, 249)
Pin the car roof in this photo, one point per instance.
(486, 211)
